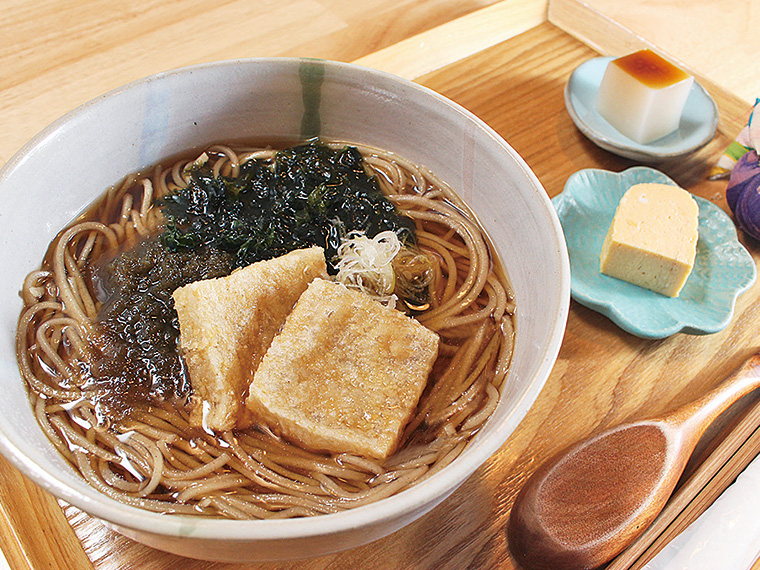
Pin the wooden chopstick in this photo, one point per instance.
(707, 482)
(704, 498)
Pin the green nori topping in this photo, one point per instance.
(313, 196)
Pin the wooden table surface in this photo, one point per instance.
(508, 62)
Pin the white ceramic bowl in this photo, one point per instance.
(76, 158)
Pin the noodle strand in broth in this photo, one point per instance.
(153, 459)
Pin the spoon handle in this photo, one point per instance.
(695, 417)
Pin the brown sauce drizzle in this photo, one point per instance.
(650, 69)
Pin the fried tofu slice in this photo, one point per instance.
(344, 374)
(227, 324)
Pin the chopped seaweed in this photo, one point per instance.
(139, 326)
(314, 195)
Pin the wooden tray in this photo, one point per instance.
(602, 376)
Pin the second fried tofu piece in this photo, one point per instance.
(227, 324)
(344, 374)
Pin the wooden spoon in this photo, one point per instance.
(584, 506)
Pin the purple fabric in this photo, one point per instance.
(744, 175)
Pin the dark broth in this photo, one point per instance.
(138, 358)
(213, 226)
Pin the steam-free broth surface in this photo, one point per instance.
(97, 341)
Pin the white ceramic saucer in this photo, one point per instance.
(698, 121)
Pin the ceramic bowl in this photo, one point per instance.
(75, 159)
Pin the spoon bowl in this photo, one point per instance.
(585, 505)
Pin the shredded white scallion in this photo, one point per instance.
(198, 162)
(366, 264)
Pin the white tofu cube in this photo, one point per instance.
(643, 95)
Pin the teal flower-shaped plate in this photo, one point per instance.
(723, 268)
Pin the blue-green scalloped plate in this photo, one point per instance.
(723, 268)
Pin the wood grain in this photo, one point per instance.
(35, 519)
(592, 25)
(697, 493)
(56, 59)
(57, 54)
(603, 375)
(455, 40)
(679, 27)
(593, 501)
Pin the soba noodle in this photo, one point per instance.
(155, 460)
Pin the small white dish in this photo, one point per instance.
(697, 127)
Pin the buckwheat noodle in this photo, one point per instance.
(155, 460)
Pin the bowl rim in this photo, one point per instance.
(421, 496)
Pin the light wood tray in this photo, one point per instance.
(602, 376)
